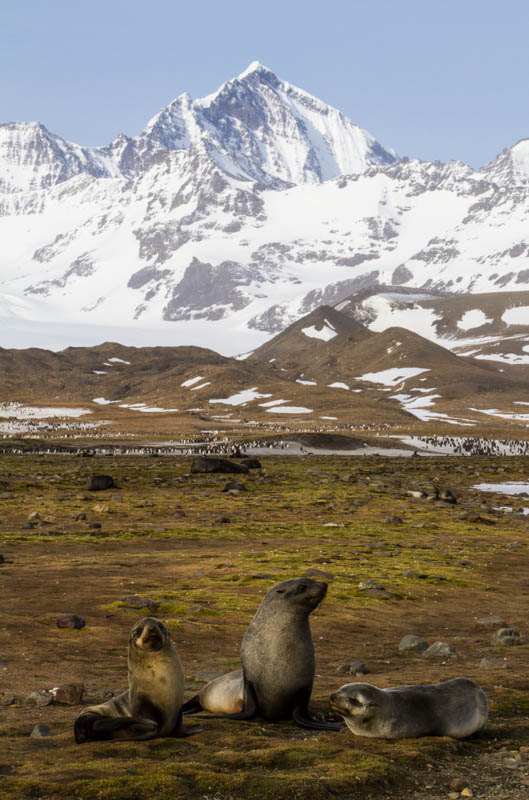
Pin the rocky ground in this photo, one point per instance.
(395, 565)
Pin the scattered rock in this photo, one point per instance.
(42, 698)
(353, 668)
(439, 650)
(80, 517)
(413, 643)
(235, 485)
(68, 694)
(318, 574)
(28, 526)
(207, 675)
(492, 622)
(223, 519)
(40, 730)
(70, 621)
(492, 663)
(2, 559)
(34, 516)
(94, 525)
(135, 601)
(99, 483)
(101, 508)
(506, 637)
(253, 463)
(94, 696)
(393, 519)
(6, 495)
(206, 464)
(368, 583)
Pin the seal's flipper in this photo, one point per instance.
(301, 717)
(180, 732)
(301, 714)
(92, 727)
(192, 706)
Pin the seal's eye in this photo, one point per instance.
(162, 628)
(280, 591)
(138, 631)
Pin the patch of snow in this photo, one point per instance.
(155, 410)
(338, 385)
(244, 356)
(240, 398)
(509, 487)
(505, 358)
(102, 402)
(307, 383)
(328, 417)
(119, 360)
(99, 372)
(519, 315)
(326, 333)
(289, 410)
(200, 386)
(272, 403)
(392, 376)
(474, 318)
(495, 412)
(35, 412)
(191, 381)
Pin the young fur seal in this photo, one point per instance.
(277, 657)
(456, 708)
(152, 705)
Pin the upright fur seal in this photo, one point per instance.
(152, 705)
(277, 657)
(456, 708)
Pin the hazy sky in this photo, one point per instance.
(434, 80)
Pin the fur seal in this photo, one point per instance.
(152, 705)
(277, 657)
(456, 708)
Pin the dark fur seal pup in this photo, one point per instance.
(277, 657)
(152, 706)
(456, 708)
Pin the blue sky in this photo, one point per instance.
(439, 80)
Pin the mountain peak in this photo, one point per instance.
(252, 68)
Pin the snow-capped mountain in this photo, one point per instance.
(231, 216)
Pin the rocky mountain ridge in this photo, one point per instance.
(230, 217)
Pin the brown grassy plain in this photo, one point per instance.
(161, 537)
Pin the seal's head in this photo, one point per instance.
(358, 703)
(298, 594)
(147, 635)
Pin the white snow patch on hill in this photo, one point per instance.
(289, 410)
(326, 333)
(272, 403)
(516, 316)
(191, 381)
(473, 318)
(240, 398)
(34, 412)
(338, 385)
(505, 358)
(393, 376)
(102, 402)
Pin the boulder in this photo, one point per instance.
(70, 621)
(206, 464)
(99, 483)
